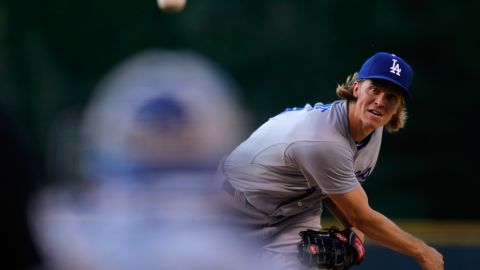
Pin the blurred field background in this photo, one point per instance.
(281, 54)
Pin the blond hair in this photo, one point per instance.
(345, 91)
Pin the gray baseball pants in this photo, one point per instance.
(276, 237)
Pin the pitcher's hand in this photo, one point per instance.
(430, 259)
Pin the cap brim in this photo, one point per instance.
(405, 91)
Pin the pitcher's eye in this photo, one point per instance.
(392, 97)
(374, 90)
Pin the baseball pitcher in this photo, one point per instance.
(277, 181)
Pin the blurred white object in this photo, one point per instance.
(172, 5)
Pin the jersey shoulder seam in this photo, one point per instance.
(252, 161)
(313, 141)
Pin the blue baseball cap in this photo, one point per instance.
(388, 66)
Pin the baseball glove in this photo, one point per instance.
(330, 249)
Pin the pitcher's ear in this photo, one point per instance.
(356, 88)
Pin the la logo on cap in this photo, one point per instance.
(395, 68)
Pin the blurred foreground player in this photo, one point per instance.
(153, 135)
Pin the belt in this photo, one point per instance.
(231, 190)
(228, 188)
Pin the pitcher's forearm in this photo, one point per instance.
(383, 231)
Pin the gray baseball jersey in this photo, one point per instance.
(300, 156)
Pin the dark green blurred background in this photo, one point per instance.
(281, 53)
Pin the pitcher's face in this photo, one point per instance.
(377, 102)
